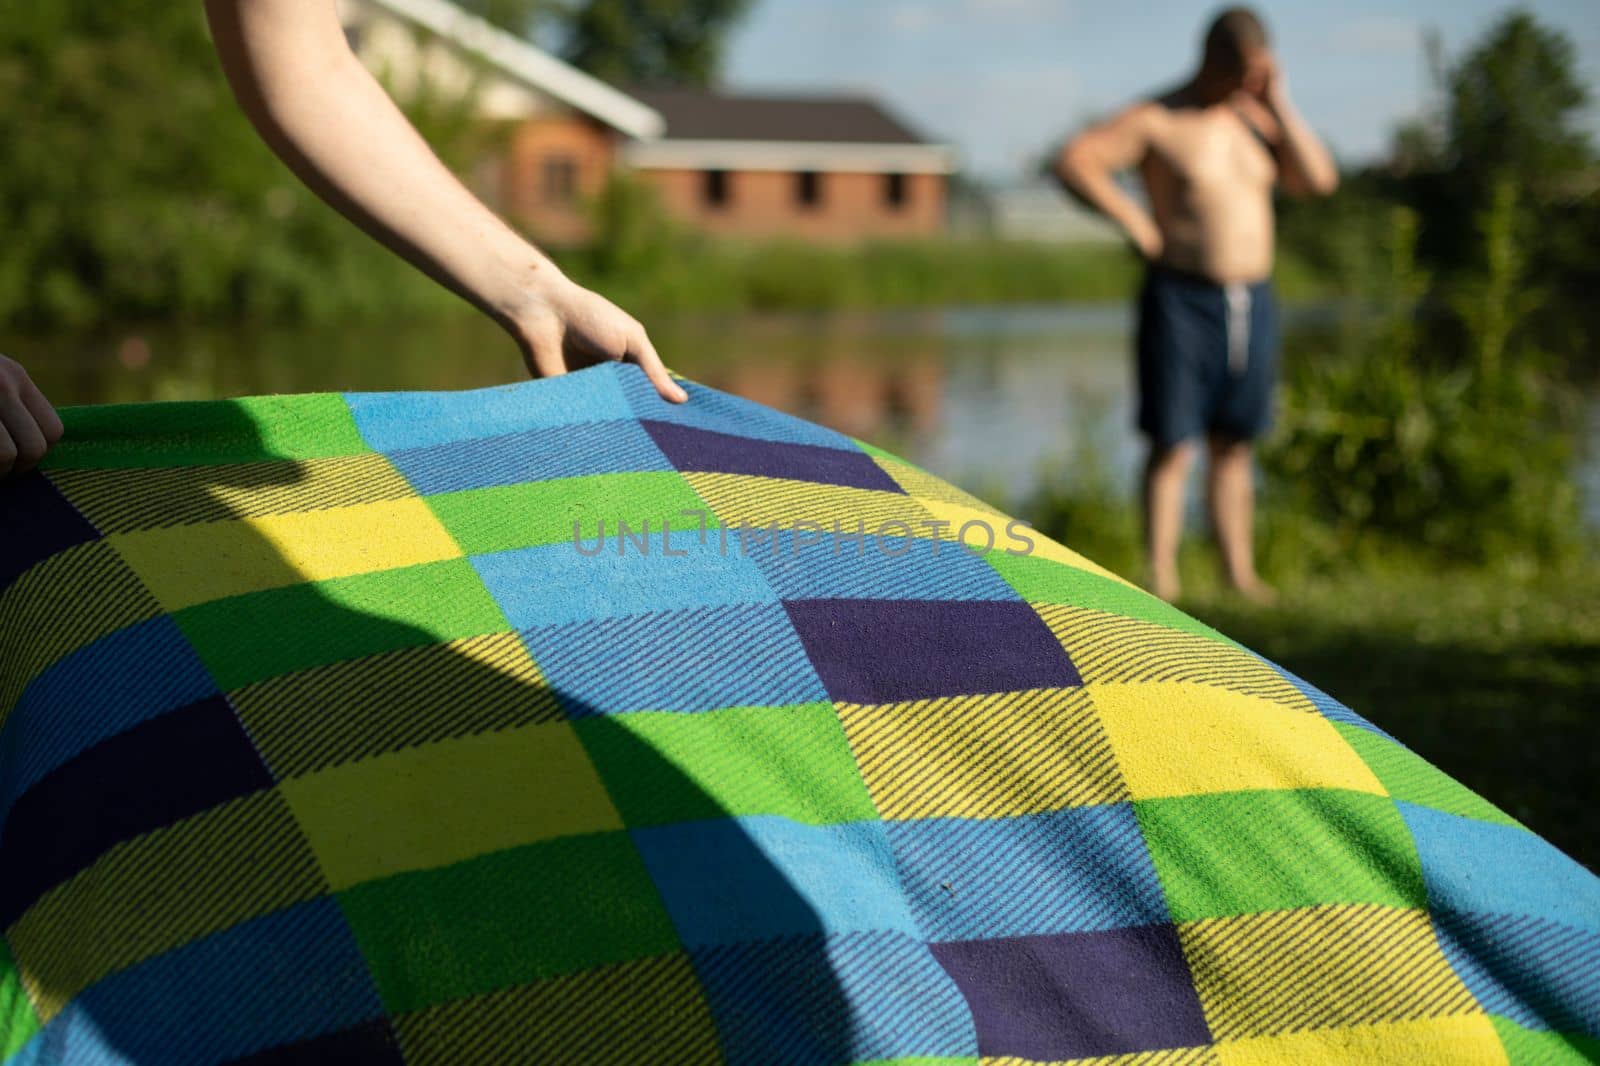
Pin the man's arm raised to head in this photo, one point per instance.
(1305, 166)
(331, 122)
(1089, 163)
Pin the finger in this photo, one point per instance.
(26, 439)
(644, 353)
(44, 415)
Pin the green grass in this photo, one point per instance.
(699, 275)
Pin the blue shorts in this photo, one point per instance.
(1208, 357)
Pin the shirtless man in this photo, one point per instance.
(1210, 153)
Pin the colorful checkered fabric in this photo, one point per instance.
(331, 730)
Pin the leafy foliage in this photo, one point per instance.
(1515, 102)
(1470, 460)
(138, 190)
(1510, 114)
(651, 42)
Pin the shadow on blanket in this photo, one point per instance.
(400, 849)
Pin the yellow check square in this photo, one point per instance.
(1280, 972)
(441, 803)
(657, 1002)
(1468, 1040)
(188, 565)
(993, 756)
(1182, 739)
(1108, 647)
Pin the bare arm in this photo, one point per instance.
(1090, 161)
(335, 127)
(1305, 166)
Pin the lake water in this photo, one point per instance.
(992, 398)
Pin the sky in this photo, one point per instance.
(1005, 79)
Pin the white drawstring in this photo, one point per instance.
(1238, 296)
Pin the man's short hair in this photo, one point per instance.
(1233, 32)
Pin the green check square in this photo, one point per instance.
(1232, 853)
(18, 1022)
(1409, 777)
(250, 638)
(508, 918)
(504, 517)
(1041, 580)
(662, 767)
(1544, 1046)
(651, 1004)
(209, 433)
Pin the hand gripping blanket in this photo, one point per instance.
(557, 724)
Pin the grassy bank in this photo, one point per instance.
(699, 276)
(705, 275)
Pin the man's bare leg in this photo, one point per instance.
(1231, 493)
(1166, 474)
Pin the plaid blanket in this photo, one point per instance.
(553, 723)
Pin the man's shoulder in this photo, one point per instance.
(1148, 113)
(1163, 106)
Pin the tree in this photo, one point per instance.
(1514, 107)
(135, 188)
(1509, 114)
(651, 42)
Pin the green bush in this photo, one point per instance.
(137, 190)
(1468, 457)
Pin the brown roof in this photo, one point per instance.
(697, 115)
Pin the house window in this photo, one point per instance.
(808, 188)
(559, 180)
(896, 191)
(715, 190)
